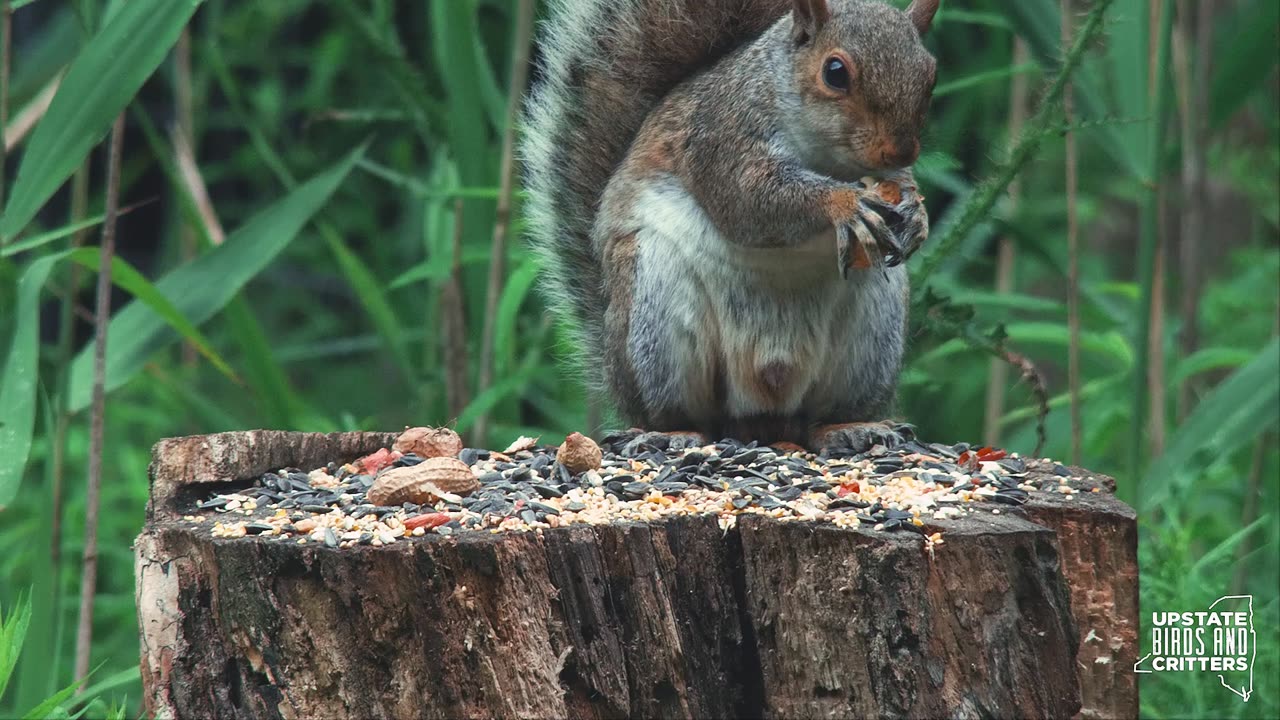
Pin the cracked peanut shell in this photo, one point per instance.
(429, 442)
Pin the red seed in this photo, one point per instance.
(371, 464)
(987, 454)
(428, 521)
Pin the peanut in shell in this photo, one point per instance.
(434, 479)
(580, 453)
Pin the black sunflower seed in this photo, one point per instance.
(548, 492)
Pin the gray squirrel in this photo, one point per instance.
(694, 167)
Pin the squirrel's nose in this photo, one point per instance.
(899, 153)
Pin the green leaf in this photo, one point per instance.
(1244, 57)
(1237, 411)
(101, 81)
(36, 241)
(126, 277)
(982, 77)
(203, 287)
(1009, 301)
(46, 708)
(455, 39)
(1219, 358)
(368, 290)
(514, 294)
(1224, 550)
(971, 17)
(437, 268)
(1038, 22)
(18, 384)
(1111, 344)
(13, 631)
(109, 683)
(18, 391)
(511, 386)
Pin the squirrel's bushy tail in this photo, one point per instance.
(605, 65)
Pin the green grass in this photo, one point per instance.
(338, 142)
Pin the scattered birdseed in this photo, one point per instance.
(524, 489)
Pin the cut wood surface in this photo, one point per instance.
(1028, 613)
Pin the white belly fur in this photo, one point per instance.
(738, 309)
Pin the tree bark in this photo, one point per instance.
(670, 619)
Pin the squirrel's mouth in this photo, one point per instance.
(890, 154)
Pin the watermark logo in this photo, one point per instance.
(1220, 640)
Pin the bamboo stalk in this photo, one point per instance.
(1195, 143)
(184, 121)
(998, 373)
(6, 55)
(1156, 391)
(454, 318)
(1149, 244)
(1073, 255)
(1155, 336)
(501, 227)
(66, 335)
(89, 561)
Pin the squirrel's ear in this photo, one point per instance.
(921, 13)
(809, 18)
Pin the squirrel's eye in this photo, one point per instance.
(836, 74)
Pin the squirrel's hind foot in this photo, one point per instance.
(856, 438)
(636, 442)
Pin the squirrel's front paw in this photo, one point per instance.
(863, 239)
(912, 226)
(904, 212)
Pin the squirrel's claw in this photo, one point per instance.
(844, 250)
(857, 246)
(914, 230)
(888, 249)
(911, 222)
(866, 240)
(857, 438)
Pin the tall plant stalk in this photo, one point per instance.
(62, 422)
(6, 54)
(1253, 490)
(1155, 336)
(523, 38)
(1073, 255)
(184, 121)
(977, 207)
(102, 314)
(1148, 246)
(454, 319)
(998, 373)
(1194, 202)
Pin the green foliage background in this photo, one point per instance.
(339, 139)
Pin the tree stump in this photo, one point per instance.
(1028, 613)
